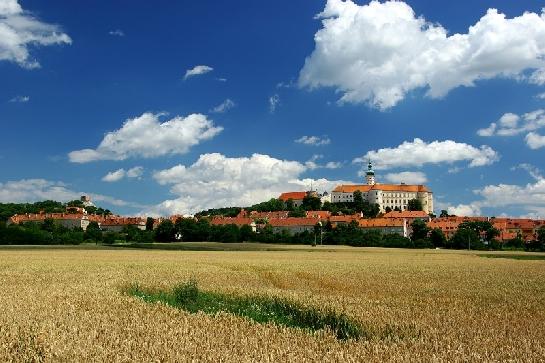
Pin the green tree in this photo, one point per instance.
(437, 238)
(419, 230)
(541, 234)
(48, 225)
(443, 214)
(311, 202)
(246, 233)
(93, 232)
(414, 205)
(149, 224)
(358, 201)
(297, 212)
(465, 238)
(165, 231)
(289, 205)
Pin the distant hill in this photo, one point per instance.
(48, 206)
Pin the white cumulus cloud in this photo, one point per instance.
(313, 140)
(418, 152)
(535, 140)
(529, 197)
(119, 174)
(511, 124)
(407, 177)
(465, 210)
(145, 136)
(224, 106)
(197, 70)
(35, 190)
(377, 53)
(216, 180)
(20, 30)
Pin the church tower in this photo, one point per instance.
(370, 174)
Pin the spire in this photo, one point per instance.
(370, 174)
(370, 168)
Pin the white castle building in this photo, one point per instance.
(385, 195)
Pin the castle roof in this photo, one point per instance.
(292, 195)
(365, 188)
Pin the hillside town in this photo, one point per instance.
(398, 206)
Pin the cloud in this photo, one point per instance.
(19, 30)
(216, 180)
(378, 53)
(407, 177)
(274, 101)
(465, 210)
(145, 136)
(34, 190)
(117, 33)
(541, 96)
(223, 107)
(313, 140)
(418, 152)
(197, 70)
(535, 140)
(20, 99)
(531, 169)
(333, 165)
(119, 174)
(312, 164)
(511, 124)
(529, 197)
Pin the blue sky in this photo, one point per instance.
(305, 99)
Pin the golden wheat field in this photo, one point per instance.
(441, 306)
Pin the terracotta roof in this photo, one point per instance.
(345, 219)
(322, 214)
(292, 195)
(293, 222)
(239, 221)
(364, 188)
(407, 214)
(268, 215)
(381, 222)
(21, 218)
(122, 221)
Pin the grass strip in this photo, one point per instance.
(515, 257)
(260, 309)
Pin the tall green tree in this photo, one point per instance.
(420, 230)
(149, 224)
(165, 231)
(311, 202)
(414, 205)
(437, 238)
(93, 232)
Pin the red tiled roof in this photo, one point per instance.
(239, 221)
(406, 214)
(21, 218)
(322, 214)
(292, 195)
(293, 222)
(364, 188)
(268, 215)
(381, 222)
